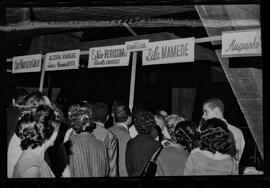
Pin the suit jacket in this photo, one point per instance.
(123, 137)
(111, 143)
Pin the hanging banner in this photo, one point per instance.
(28, 63)
(169, 51)
(241, 43)
(108, 56)
(137, 45)
(63, 60)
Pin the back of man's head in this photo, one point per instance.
(215, 103)
(100, 112)
(121, 113)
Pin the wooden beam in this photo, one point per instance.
(198, 40)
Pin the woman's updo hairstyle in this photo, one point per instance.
(80, 120)
(186, 134)
(215, 136)
(36, 126)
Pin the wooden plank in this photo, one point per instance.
(246, 84)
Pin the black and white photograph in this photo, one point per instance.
(110, 91)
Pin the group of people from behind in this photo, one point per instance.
(45, 143)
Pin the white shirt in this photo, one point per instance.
(239, 140)
(132, 131)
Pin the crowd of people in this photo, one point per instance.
(44, 140)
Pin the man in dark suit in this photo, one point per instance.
(123, 121)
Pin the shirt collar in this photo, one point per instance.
(216, 156)
(99, 124)
(122, 124)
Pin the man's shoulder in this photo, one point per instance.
(118, 130)
(103, 131)
(234, 129)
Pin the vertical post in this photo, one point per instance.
(49, 85)
(42, 74)
(132, 80)
(133, 70)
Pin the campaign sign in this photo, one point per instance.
(241, 43)
(108, 56)
(28, 63)
(137, 45)
(169, 51)
(62, 60)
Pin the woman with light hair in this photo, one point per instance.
(171, 122)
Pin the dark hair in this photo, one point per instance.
(36, 126)
(79, 118)
(33, 99)
(186, 134)
(157, 132)
(121, 113)
(144, 122)
(100, 112)
(215, 136)
(215, 102)
(137, 108)
(21, 93)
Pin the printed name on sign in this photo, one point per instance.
(62, 60)
(108, 56)
(174, 51)
(242, 46)
(241, 43)
(137, 45)
(30, 63)
(170, 51)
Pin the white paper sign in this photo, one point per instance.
(169, 51)
(62, 60)
(241, 43)
(108, 56)
(137, 45)
(28, 63)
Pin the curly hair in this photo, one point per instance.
(186, 134)
(80, 120)
(215, 136)
(36, 126)
(144, 122)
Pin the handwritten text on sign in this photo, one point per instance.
(241, 43)
(62, 60)
(29, 63)
(108, 56)
(137, 45)
(170, 51)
